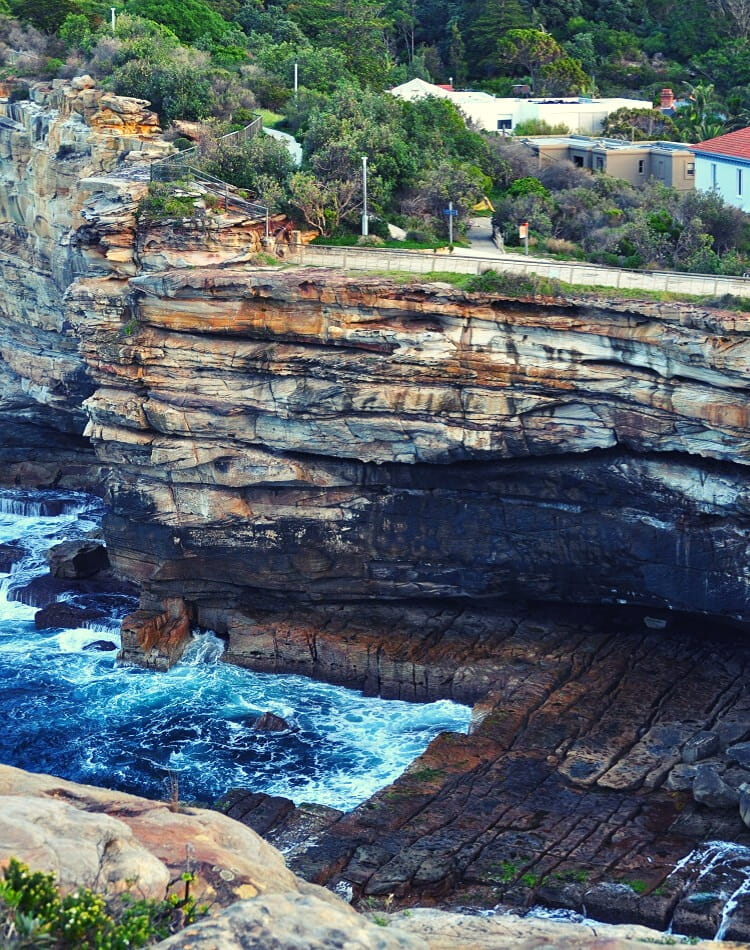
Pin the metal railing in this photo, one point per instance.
(576, 273)
(172, 167)
(183, 165)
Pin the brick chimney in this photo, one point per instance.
(667, 99)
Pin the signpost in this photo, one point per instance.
(452, 213)
(523, 233)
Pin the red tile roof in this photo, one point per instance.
(735, 144)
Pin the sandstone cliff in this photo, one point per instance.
(348, 477)
(310, 436)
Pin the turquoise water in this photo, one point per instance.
(77, 714)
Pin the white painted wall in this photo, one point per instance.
(724, 179)
(485, 110)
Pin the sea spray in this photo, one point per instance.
(76, 713)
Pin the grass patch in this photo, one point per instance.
(532, 285)
(426, 775)
(350, 240)
(164, 201)
(505, 872)
(271, 119)
(638, 886)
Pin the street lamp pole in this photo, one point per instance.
(365, 218)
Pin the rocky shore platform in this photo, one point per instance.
(109, 841)
(605, 769)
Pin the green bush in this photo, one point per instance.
(513, 285)
(34, 914)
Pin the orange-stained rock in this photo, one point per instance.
(157, 640)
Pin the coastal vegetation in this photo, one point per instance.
(321, 69)
(34, 913)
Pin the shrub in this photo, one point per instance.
(34, 914)
(513, 285)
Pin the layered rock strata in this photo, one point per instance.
(74, 166)
(307, 462)
(302, 435)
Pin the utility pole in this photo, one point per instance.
(365, 219)
(113, 16)
(296, 81)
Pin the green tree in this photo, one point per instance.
(47, 15)
(528, 51)
(639, 125)
(487, 21)
(178, 87)
(564, 77)
(257, 165)
(190, 20)
(324, 205)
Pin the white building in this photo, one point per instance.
(494, 114)
(722, 164)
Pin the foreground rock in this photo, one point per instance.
(106, 840)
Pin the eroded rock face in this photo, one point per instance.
(74, 165)
(307, 436)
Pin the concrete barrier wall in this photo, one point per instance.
(592, 275)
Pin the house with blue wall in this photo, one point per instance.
(722, 164)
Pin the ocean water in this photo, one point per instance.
(77, 714)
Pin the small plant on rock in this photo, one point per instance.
(33, 914)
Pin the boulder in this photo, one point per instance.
(293, 922)
(9, 555)
(739, 752)
(270, 722)
(744, 793)
(101, 646)
(710, 789)
(701, 746)
(65, 615)
(76, 560)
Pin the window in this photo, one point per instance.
(578, 161)
(713, 175)
(690, 170)
(641, 165)
(599, 163)
(739, 181)
(505, 124)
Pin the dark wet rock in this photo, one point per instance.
(62, 614)
(270, 722)
(732, 732)
(45, 590)
(101, 646)
(77, 560)
(744, 793)
(285, 825)
(738, 927)
(736, 776)
(681, 777)
(739, 752)
(630, 898)
(699, 914)
(701, 746)
(10, 554)
(711, 790)
(257, 810)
